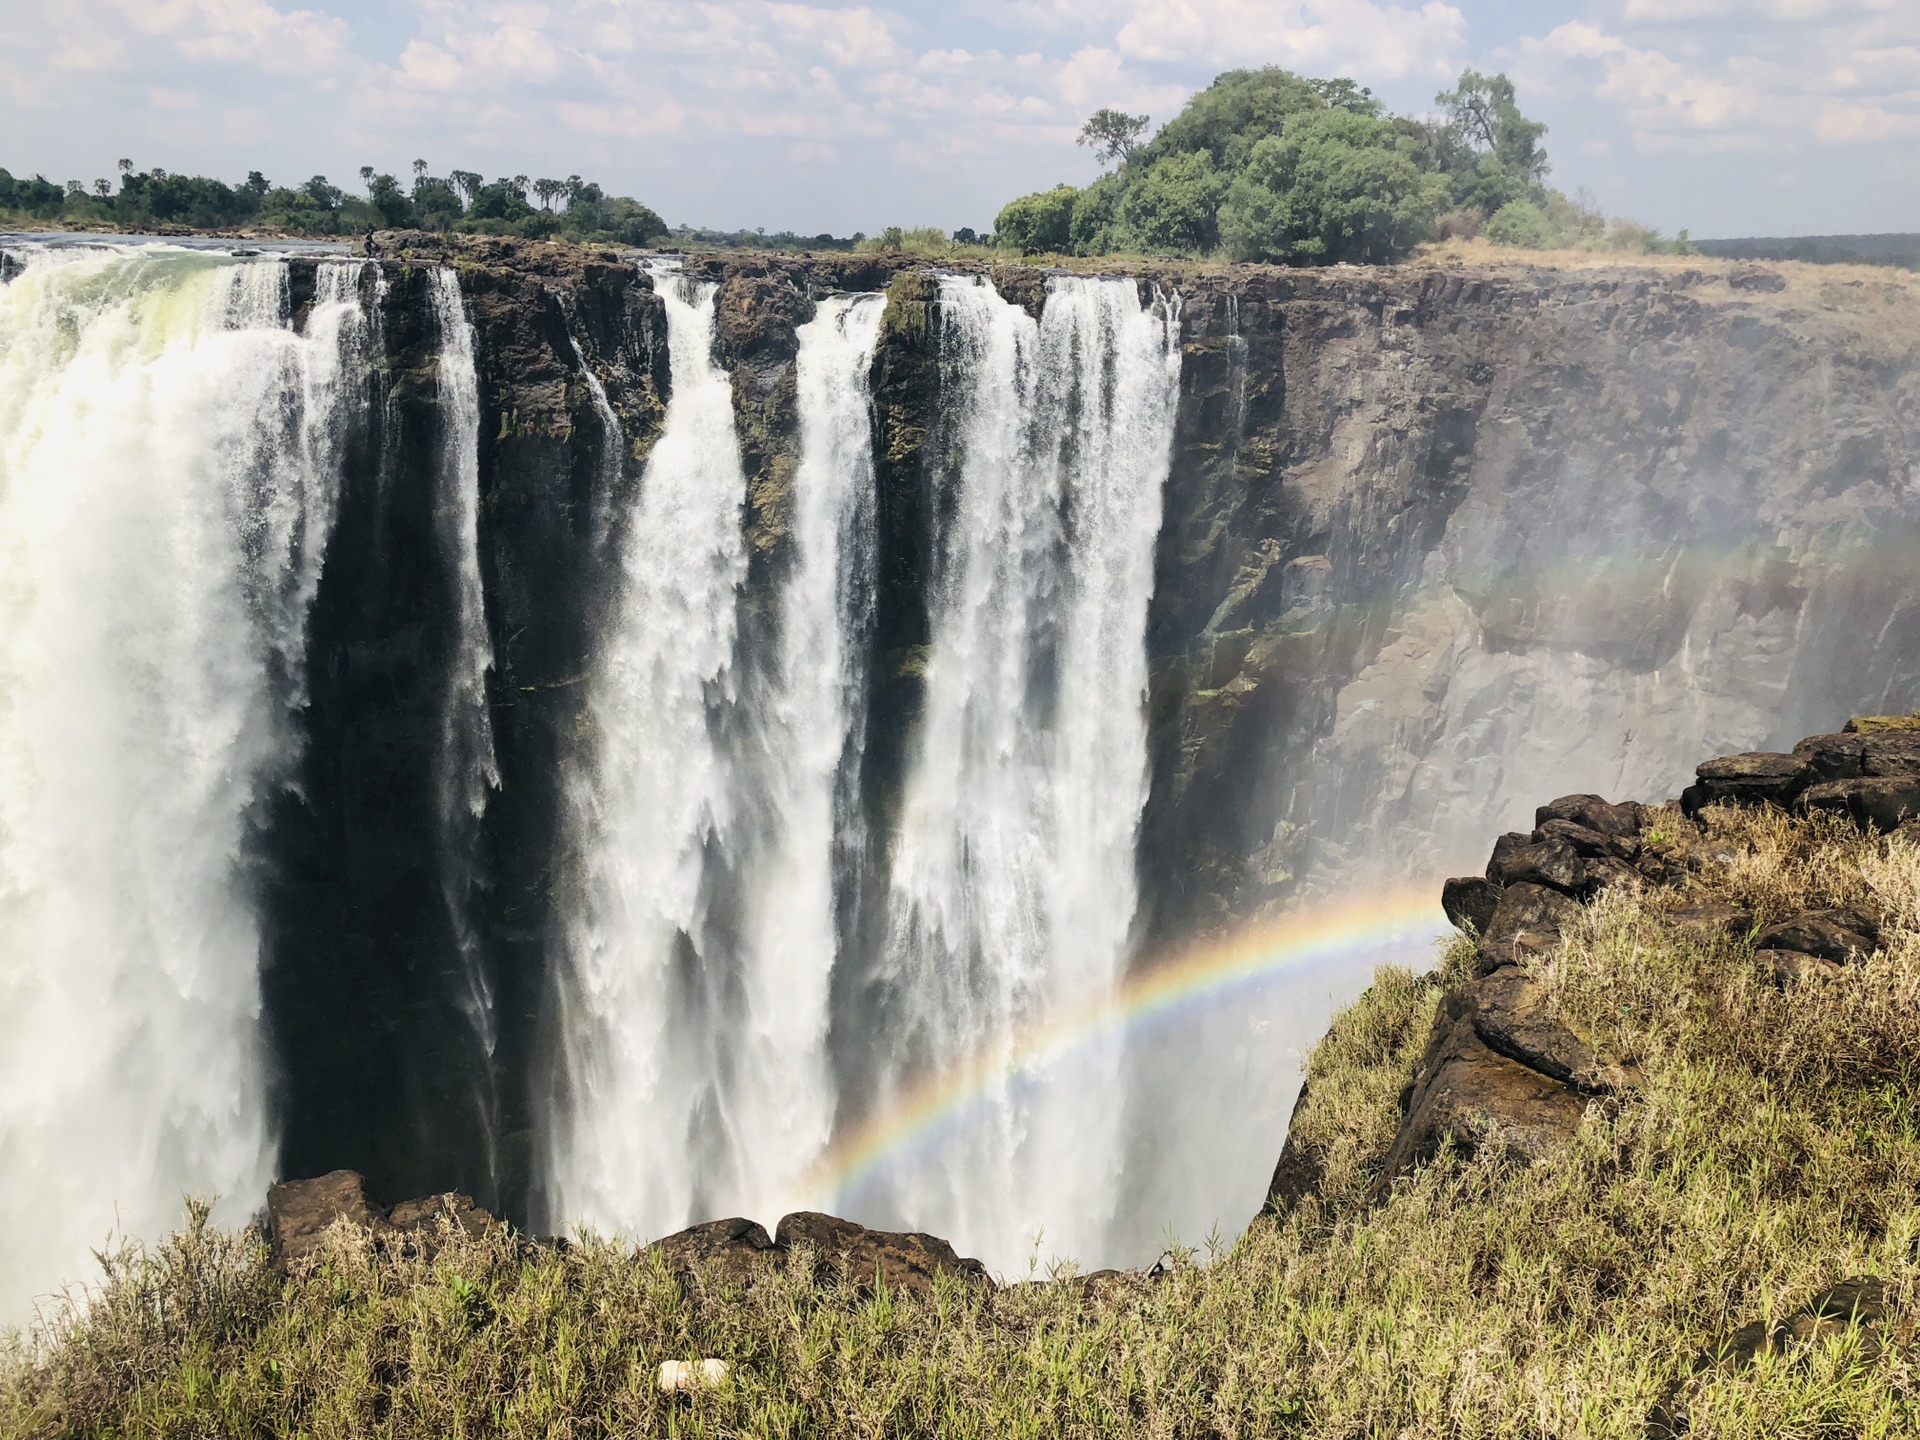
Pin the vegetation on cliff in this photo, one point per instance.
(1272, 166)
(461, 200)
(1766, 1150)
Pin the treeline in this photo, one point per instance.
(1272, 166)
(154, 200)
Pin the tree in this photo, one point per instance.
(547, 191)
(366, 177)
(519, 183)
(102, 188)
(1483, 113)
(126, 166)
(1173, 205)
(1522, 224)
(1112, 134)
(419, 171)
(467, 181)
(1330, 188)
(1039, 223)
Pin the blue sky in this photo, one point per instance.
(1730, 117)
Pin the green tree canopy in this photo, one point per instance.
(1040, 223)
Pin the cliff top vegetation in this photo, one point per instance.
(155, 201)
(1272, 166)
(1767, 1150)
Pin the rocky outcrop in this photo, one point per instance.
(1501, 1063)
(739, 1250)
(302, 1213)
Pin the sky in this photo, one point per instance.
(1727, 117)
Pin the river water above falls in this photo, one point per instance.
(568, 737)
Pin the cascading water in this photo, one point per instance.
(466, 771)
(168, 479)
(1012, 881)
(633, 1128)
(800, 800)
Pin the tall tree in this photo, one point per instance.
(1112, 134)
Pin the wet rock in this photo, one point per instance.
(1593, 813)
(1756, 778)
(1836, 935)
(1553, 861)
(736, 1248)
(901, 1262)
(1891, 752)
(1871, 802)
(1466, 1092)
(1470, 901)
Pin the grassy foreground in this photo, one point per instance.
(1774, 1149)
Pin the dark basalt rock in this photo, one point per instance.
(1470, 901)
(1513, 1013)
(1867, 1303)
(1526, 923)
(738, 1249)
(1838, 935)
(1711, 922)
(1756, 778)
(1554, 859)
(1787, 968)
(1872, 802)
(1590, 812)
(1466, 1092)
(1301, 1169)
(900, 1262)
(301, 1212)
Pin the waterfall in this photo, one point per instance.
(465, 771)
(168, 476)
(800, 771)
(1012, 880)
(633, 1128)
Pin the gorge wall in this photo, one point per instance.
(1432, 542)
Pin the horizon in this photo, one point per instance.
(1729, 118)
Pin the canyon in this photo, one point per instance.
(1325, 577)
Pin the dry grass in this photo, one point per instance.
(1773, 1150)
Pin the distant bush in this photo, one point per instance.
(1041, 223)
(1522, 224)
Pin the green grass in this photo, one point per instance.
(1774, 1150)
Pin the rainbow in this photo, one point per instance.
(1351, 931)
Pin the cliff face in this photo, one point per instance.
(1436, 542)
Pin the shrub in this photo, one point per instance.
(1040, 223)
(1523, 225)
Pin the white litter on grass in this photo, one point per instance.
(677, 1376)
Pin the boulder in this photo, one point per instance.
(901, 1262)
(1301, 1169)
(1755, 778)
(1832, 757)
(1588, 842)
(1867, 1303)
(300, 1212)
(1593, 813)
(1470, 901)
(1891, 752)
(1786, 968)
(737, 1249)
(1882, 724)
(1706, 923)
(1836, 935)
(1466, 1092)
(1525, 923)
(1557, 861)
(1880, 802)
(1513, 1014)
